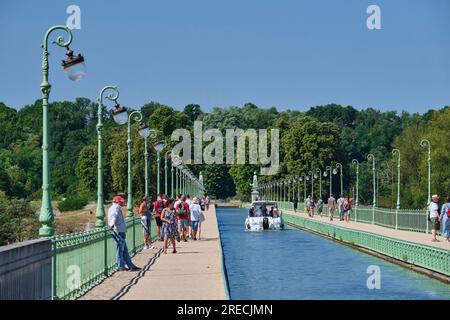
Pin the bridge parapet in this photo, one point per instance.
(26, 270)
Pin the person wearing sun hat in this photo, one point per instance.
(433, 212)
(119, 230)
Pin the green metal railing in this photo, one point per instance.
(83, 260)
(432, 258)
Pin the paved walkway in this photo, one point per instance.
(194, 272)
(417, 237)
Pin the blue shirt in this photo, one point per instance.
(115, 218)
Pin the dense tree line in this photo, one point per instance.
(321, 136)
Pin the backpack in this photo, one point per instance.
(181, 210)
(159, 206)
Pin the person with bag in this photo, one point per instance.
(195, 211)
(146, 219)
(158, 207)
(170, 231)
(183, 215)
(445, 219)
(433, 214)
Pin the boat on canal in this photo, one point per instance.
(259, 219)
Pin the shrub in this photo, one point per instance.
(73, 203)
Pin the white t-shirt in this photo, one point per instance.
(195, 211)
(433, 210)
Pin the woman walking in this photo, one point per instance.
(200, 221)
(170, 230)
(445, 219)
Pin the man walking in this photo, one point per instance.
(331, 206)
(119, 230)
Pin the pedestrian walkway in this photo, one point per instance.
(194, 272)
(417, 237)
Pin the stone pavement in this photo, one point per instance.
(194, 272)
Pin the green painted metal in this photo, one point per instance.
(46, 216)
(113, 95)
(428, 257)
(354, 161)
(137, 117)
(93, 254)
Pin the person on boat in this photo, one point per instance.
(251, 212)
(264, 210)
(271, 212)
(445, 219)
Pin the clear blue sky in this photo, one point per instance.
(288, 54)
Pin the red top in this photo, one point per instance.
(186, 206)
(162, 205)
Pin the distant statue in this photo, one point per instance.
(255, 182)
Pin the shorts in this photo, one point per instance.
(183, 223)
(435, 224)
(158, 221)
(194, 225)
(347, 213)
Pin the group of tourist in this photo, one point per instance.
(342, 205)
(264, 212)
(176, 220)
(439, 217)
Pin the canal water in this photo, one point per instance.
(295, 264)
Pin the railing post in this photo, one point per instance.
(54, 269)
(396, 219)
(134, 235)
(106, 253)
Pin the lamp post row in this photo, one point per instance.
(311, 175)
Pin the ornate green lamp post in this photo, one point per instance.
(426, 143)
(113, 96)
(135, 115)
(354, 161)
(319, 171)
(165, 172)
(325, 173)
(311, 175)
(397, 152)
(145, 132)
(338, 165)
(159, 146)
(74, 68)
(303, 178)
(374, 201)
